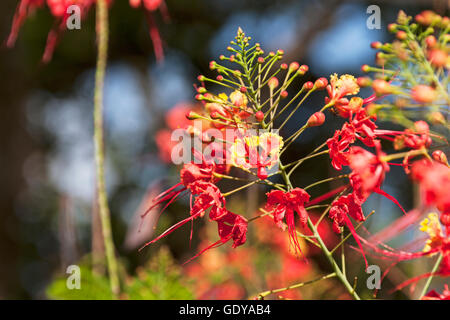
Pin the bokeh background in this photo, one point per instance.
(47, 220)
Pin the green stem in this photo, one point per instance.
(294, 286)
(430, 278)
(102, 38)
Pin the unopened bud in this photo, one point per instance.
(363, 82)
(436, 118)
(317, 119)
(376, 45)
(392, 27)
(440, 156)
(365, 68)
(191, 115)
(308, 85)
(430, 41)
(219, 78)
(321, 83)
(303, 69)
(273, 83)
(284, 66)
(402, 17)
(259, 116)
(212, 65)
(243, 89)
(260, 60)
(293, 66)
(284, 94)
(381, 87)
(437, 57)
(401, 35)
(423, 93)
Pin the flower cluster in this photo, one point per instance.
(257, 107)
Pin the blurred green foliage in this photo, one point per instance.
(160, 279)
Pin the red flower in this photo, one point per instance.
(283, 205)
(434, 181)
(230, 226)
(339, 144)
(361, 127)
(369, 167)
(339, 212)
(190, 173)
(207, 196)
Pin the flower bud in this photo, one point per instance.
(201, 78)
(260, 60)
(243, 89)
(219, 78)
(293, 66)
(308, 85)
(401, 35)
(303, 69)
(284, 94)
(259, 115)
(284, 66)
(437, 57)
(423, 93)
(363, 82)
(376, 45)
(436, 118)
(317, 119)
(427, 18)
(214, 115)
(365, 68)
(392, 27)
(201, 90)
(381, 87)
(440, 156)
(212, 65)
(402, 17)
(321, 83)
(191, 115)
(273, 83)
(430, 41)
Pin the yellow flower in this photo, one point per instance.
(431, 226)
(246, 152)
(238, 99)
(344, 85)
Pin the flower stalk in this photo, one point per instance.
(102, 38)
